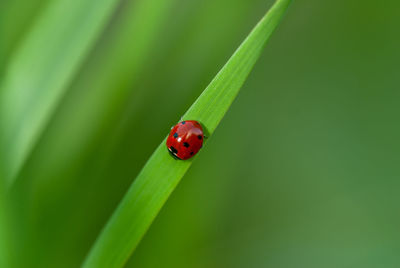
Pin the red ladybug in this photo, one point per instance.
(185, 139)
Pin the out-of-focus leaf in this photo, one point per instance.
(82, 126)
(15, 18)
(4, 239)
(39, 71)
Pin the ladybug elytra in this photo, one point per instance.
(185, 139)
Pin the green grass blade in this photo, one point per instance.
(40, 70)
(162, 172)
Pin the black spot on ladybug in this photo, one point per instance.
(183, 122)
(176, 135)
(191, 153)
(172, 148)
(199, 137)
(186, 144)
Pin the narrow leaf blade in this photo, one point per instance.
(162, 172)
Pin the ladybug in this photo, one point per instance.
(185, 139)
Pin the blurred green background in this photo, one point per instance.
(302, 172)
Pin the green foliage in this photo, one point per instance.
(37, 75)
(303, 172)
(162, 172)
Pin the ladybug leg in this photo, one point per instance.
(206, 137)
(173, 155)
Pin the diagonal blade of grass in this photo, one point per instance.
(39, 72)
(162, 172)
